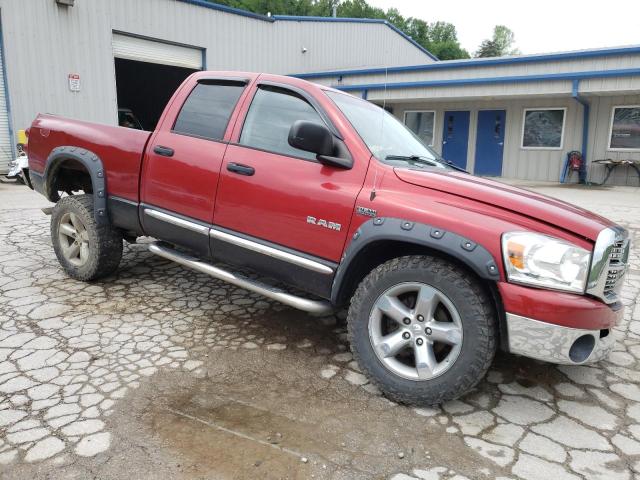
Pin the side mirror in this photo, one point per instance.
(316, 138)
(311, 137)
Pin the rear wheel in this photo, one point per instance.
(86, 250)
(422, 330)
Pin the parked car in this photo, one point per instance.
(328, 193)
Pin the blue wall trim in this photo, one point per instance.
(224, 8)
(295, 18)
(302, 18)
(12, 140)
(480, 62)
(628, 72)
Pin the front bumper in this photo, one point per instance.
(556, 343)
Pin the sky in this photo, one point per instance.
(539, 26)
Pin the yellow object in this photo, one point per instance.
(516, 254)
(22, 137)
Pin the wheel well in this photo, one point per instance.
(68, 175)
(376, 253)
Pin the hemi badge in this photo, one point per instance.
(367, 212)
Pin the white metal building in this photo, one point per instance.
(91, 58)
(516, 117)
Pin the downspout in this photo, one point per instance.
(582, 173)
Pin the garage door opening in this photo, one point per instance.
(144, 88)
(148, 71)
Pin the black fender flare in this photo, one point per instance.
(94, 166)
(474, 256)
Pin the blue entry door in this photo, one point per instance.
(490, 142)
(455, 137)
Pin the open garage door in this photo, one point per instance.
(147, 74)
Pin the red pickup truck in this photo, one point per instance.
(328, 193)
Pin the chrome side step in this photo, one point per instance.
(316, 307)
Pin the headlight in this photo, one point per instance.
(540, 260)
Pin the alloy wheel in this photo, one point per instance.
(415, 330)
(74, 239)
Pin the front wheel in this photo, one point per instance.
(422, 329)
(87, 251)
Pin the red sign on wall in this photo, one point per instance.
(74, 82)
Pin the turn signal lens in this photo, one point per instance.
(516, 254)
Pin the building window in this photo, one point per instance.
(625, 128)
(422, 123)
(543, 128)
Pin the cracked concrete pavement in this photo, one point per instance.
(160, 372)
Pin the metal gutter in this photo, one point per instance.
(226, 9)
(479, 62)
(575, 94)
(627, 72)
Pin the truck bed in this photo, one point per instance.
(120, 149)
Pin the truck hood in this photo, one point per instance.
(517, 200)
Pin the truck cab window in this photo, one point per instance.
(272, 113)
(206, 111)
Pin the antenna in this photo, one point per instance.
(384, 96)
(383, 113)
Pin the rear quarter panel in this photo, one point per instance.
(120, 149)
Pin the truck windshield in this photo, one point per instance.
(387, 138)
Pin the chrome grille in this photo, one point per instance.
(609, 264)
(617, 252)
(614, 275)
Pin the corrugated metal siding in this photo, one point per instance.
(541, 165)
(6, 149)
(453, 93)
(622, 85)
(614, 62)
(57, 41)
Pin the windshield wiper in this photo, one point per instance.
(412, 158)
(454, 166)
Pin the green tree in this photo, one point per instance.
(499, 45)
(443, 41)
(440, 38)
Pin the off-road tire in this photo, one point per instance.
(479, 325)
(105, 242)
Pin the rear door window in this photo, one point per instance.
(272, 113)
(206, 111)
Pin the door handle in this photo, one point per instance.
(164, 151)
(241, 169)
